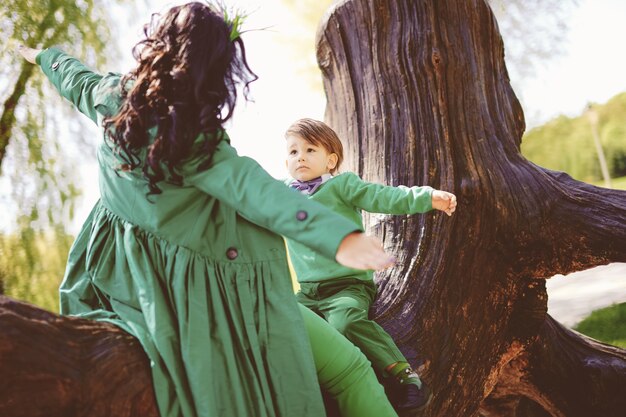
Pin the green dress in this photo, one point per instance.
(198, 273)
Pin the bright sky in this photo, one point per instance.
(592, 69)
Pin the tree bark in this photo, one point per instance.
(419, 92)
(53, 366)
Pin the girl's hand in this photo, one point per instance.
(29, 54)
(359, 251)
(444, 201)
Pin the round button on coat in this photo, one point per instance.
(231, 253)
(302, 215)
(55, 65)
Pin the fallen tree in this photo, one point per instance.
(54, 366)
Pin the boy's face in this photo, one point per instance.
(306, 161)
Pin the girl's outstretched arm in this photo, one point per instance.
(244, 185)
(360, 251)
(72, 79)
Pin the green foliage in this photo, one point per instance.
(37, 155)
(566, 144)
(32, 264)
(43, 140)
(606, 325)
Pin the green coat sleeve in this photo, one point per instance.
(242, 184)
(71, 78)
(377, 198)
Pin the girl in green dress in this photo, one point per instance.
(182, 249)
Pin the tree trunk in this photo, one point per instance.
(53, 366)
(419, 92)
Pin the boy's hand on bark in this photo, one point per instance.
(444, 201)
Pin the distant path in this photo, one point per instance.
(572, 297)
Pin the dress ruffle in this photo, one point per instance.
(222, 337)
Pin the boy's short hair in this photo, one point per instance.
(319, 134)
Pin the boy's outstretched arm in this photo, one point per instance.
(378, 198)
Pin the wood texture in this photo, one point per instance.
(53, 366)
(420, 94)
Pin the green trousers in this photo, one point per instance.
(344, 372)
(345, 303)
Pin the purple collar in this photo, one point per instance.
(309, 187)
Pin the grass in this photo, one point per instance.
(617, 183)
(607, 325)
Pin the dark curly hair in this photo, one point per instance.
(185, 86)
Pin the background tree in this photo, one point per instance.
(565, 143)
(534, 32)
(43, 140)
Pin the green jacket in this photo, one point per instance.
(199, 273)
(347, 194)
